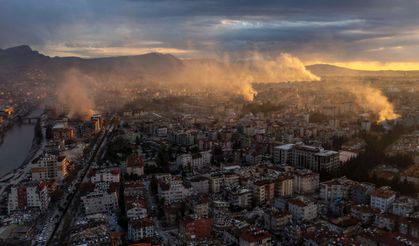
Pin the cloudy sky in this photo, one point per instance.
(368, 34)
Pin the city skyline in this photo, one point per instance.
(209, 122)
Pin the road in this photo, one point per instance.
(72, 203)
(165, 234)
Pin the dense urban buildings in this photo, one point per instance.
(201, 123)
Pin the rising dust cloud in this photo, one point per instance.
(373, 100)
(73, 95)
(226, 75)
(235, 76)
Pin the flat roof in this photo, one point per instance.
(285, 146)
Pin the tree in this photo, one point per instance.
(400, 160)
(235, 139)
(218, 154)
(154, 184)
(194, 149)
(56, 195)
(38, 132)
(123, 221)
(162, 158)
(337, 142)
(119, 149)
(48, 132)
(160, 211)
(359, 167)
(406, 188)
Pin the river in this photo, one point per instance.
(16, 145)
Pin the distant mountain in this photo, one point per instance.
(18, 51)
(20, 55)
(22, 64)
(23, 54)
(327, 70)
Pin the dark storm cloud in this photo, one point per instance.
(341, 30)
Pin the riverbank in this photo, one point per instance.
(20, 147)
(18, 174)
(15, 120)
(31, 155)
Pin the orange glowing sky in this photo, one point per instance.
(372, 65)
(354, 34)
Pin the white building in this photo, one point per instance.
(382, 198)
(199, 205)
(140, 229)
(305, 181)
(335, 189)
(161, 132)
(240, 197)
(218, 180)
(275, 220)
(304, 156)
(50, 167)
(364, 213)
(345, 156)
(231, 179)
(201, 159)
(403, 206)
(181, 138)
(172, 189)
(195, 160)
(200, 184)
(184, 160)
(32, 195)
(136, 211)
(314, 158)
(263, 191)
(302, 209)
(135, 164)
(284, 185)
(105, 175)
(254, 158)
(100, 201)
(283, 154)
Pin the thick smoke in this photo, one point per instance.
(373, 100)
(367, 98)
(73, 95)
(228, 75)
(235, 76)
(282, 68)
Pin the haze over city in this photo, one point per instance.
(138, 122)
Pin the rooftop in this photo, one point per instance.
(255, 235)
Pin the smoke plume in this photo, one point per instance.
(373, 100)
(228, 75)
(235, 76)
(282, 68)
(369, 98)
(73, 95)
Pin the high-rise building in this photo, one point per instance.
(305, 156)
(28, 196)
(50, 167)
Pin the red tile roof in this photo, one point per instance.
(135, 160)
(255, 235)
